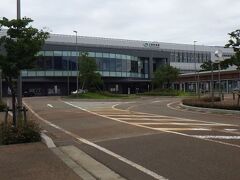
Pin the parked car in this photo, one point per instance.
(79, 91)
(28, 94)
(237, 89)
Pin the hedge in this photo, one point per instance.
(206, 103)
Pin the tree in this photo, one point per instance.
(20, 46)
(234, 42)
(207, 66)
(165, 74)
(87, 72)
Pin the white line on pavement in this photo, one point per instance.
(163, 130)
(49, 105)
(216, 137)
(183, 129)
(123, 159)
(230, 129)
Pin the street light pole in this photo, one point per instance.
(195, 65)
(212, 83)
(219, 55)
(76, 60)
(19, 81)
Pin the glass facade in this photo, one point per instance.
(188, 57)
(109, 64)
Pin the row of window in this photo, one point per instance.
(104, 64)
(190, 57)
(90, 54)
(32, 73)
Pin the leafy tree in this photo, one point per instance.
(234, 42)
(20, 45)
(87, 72)
(165, 74)
(207, 66)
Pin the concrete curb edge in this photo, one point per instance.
(47, 140)
(225, 111)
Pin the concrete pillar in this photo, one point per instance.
(151, 67)
(227, 86)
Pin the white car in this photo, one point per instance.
(79, 91)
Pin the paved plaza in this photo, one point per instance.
(145, 138)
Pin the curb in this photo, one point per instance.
(47, 140)
(223, 111)
(78, 161)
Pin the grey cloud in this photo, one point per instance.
(183, 21)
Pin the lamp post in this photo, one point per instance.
(19, 81)
(212, 92)
(76, 60)
(195, 65)
(219, 55)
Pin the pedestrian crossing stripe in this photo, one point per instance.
(217, 137)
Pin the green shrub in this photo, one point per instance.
(30, 132)
(98, 95)
(165, 92)
(205, 103)
(3, 106)
(209, 99)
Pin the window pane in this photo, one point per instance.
(99, 55)
(128, 66)
(124, 57)
(105, 55)
(48, 53)
(40, 53)
(58, 64)
(91, 54)
(118, 65)
(113, 56)
(124, 65)
(105, 64)
(118, 56)
(48, 63)
(72, 63)
(113, 65)
(57, 53)
(66, 53)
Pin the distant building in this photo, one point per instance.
(125, 65)
(229, 79)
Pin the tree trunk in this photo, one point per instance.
(168, 84)
(14, 108)
(83, 84)
(12, 86)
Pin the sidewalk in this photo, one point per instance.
(32, 162)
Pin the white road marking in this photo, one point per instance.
(183, 129)
(216, 137)
(230, 129)
(133, 115)
(123, 159)
(184, 124)
(49, 105)
(156, 101)
(147, 127)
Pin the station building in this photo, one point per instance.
(126, 66)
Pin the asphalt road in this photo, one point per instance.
(146, 138)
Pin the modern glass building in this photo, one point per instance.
(126, 66)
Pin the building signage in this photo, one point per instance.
(151, 45)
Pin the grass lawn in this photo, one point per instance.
(166, 92)
(101, 95)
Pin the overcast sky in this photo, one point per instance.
(176, 21)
